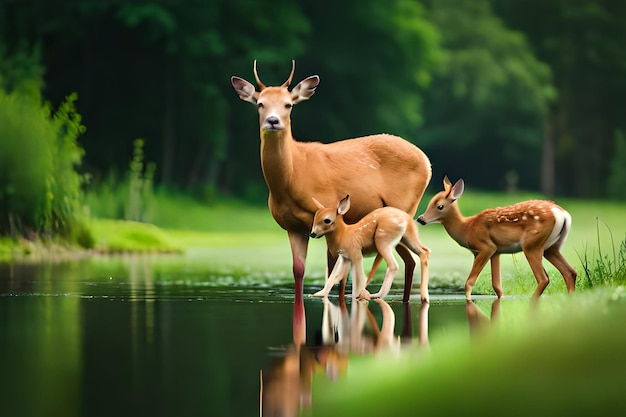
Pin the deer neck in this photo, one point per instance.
(334, 239)
(277, 152)
(457, 225)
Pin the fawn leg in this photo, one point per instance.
(496, 277)
(569, 274)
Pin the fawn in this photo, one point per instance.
(536, 227)
(380, 231)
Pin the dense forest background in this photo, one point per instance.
(506, 94)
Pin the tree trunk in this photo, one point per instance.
(547, 157)
(168, 127)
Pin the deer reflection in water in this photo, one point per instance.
(287, 384)
(478, 321)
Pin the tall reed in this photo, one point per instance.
(604, 269)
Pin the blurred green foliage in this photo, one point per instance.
(129, 197)
(560, 357)
(616, 184)
(483, 113)
(507, 94)
(40, 189)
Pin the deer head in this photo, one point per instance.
(275, 103)
(325, 220)
(440, 204)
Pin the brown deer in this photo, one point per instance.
(381, 231)
(378, 170)
(536, 227)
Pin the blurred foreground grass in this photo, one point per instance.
(564, 357)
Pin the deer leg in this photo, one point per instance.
(390, 273)
(375, 266)
(424, 256)
(409, 268)
(495, 309)
(423, 253)
(386, 335)
(331, 260)
(569, 274)
(358, 315)
(358, 280)
(480, 260)
(407, 322)
(339, 271)
(496, 278)
(477, 320)
(534, 259)
(299, 244)
(422, 324)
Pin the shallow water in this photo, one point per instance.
(130, 336)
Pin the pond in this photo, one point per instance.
(126, 336)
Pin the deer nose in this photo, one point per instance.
(272, 120)
(313, 235)
(421, 220)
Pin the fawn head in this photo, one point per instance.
(440, 204)
(275, 103)
(325, 220)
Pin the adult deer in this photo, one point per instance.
(536, 227)
(380, 231)
(378, 170)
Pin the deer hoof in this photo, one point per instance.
(364, 295)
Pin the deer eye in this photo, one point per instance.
(288, 105)
(327, 221)
(440, 207)
(260, 105)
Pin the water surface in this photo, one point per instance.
(130, 336)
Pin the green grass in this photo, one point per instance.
(564, 356)
(126, 236)
(181, 212)
(246, 237)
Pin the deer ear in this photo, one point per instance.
(344, 205)
(446, 183)
(317, 203)
(244, 89)
(305, 89)
(457, 190)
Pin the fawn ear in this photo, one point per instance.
(317, 203)
(457, 189)
(446, 183)
(344, 205)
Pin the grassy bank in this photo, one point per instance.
(235, 233)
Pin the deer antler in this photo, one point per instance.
(293, 68)
(258, 81)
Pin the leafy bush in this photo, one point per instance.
(25, 162)
(40, 189)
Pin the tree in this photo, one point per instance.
(160, 70)
(582, 41)
(484, 112)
